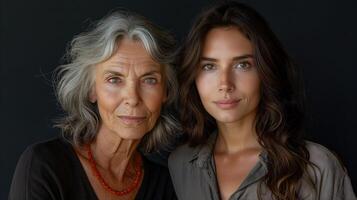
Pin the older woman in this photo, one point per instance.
(115, 89)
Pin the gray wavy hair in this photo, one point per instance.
(73, 81)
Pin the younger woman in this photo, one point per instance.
(242, 112)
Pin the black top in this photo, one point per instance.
(52, 170)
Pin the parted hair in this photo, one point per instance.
(279, 120)
(74, 80)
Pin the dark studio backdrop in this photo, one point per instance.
(319, 35)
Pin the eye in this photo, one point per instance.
(114, 80)
(150, 81)
(208, 67)
(244, 66)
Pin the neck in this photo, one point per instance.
(236, 136)
(114, 153)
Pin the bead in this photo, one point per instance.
(130, 188)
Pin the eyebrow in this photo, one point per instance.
(116, 73)
(234, 58)
(113, 72)
(152, 73)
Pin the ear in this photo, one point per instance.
(93, 95)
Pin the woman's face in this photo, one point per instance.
(227, 81)
(129, 91)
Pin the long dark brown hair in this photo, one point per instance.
(279, 120)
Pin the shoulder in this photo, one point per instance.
(183, 152)
(51, 146)
(326, 168)
(328, 174)
(181, 155)
(37, 169)
(46, 156)
(53, 150)
(324, 158)
(182, 166)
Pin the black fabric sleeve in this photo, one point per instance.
(28, 182)
(50, 170)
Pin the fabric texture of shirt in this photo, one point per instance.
(194, 178)
(51, 170)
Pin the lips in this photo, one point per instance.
(132, 120)
(227, 103)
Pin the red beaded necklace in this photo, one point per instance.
(127, 190)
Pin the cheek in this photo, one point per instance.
(107, 98)
(153, 98)
(204, 84)
(251, 87)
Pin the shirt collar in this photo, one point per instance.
(203, 153)
(202, 158)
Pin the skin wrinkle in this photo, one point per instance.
(127, 85)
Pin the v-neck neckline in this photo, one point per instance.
(253, 176)
(85, 177)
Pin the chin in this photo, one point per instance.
(228, 118)
(131, 135)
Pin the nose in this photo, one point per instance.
(131, 93)
(226, 82)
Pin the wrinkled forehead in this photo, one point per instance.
(132, 52)
(128, 48)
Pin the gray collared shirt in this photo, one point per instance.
(193, 175)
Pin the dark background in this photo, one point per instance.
(319, 35)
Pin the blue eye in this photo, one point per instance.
(150, 81)
(114, 80)
(244, 66)
(208, 67)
